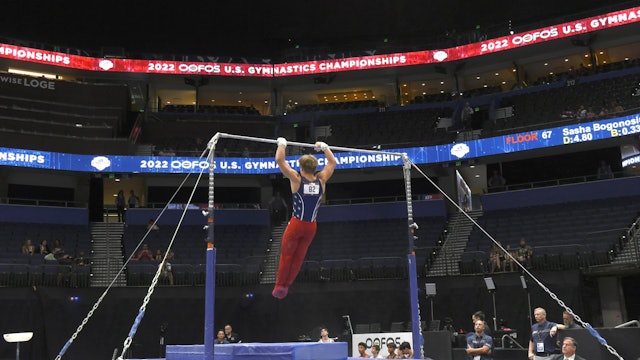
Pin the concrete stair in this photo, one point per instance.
(273, 256)
(107, 253)
(458, 230)
(630, 253)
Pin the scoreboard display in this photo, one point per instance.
(531, 140)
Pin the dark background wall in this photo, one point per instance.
(54, 316)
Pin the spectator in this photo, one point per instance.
(145, 253)
(167, 273)
(151, 225)
(231, 336)
(568, 322)
(375, 352)
(246, 153)
(28, 247)
(44, 247)
(81, 260)
(496, 182)
(278, 209)
(405, 351)
(362, 347)
(524, 253)
(58, 248)
(479, 344)
(466, 116)
(391, 349)
(479, 315)
(120, 206)
(496, 258)
(569, 347)
(604, 171)
(133, 201)
(220, 338)
(508, 260)
(324, 336)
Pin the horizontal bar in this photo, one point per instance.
(336, 148)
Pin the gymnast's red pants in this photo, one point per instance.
(295, 241)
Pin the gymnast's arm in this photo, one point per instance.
(331, 162)
(282, 163)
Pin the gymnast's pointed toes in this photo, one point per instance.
(280, 292)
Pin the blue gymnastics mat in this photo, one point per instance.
(266, 351)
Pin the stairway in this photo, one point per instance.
(273, 255)
(107, 253)
(458, 230)
(630, 254)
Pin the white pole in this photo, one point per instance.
(272, 141)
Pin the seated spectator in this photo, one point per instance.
(604, 171)
(496, 258)
(616, 107)
(44, 247)
(58, 248)
(151, 225)
(28, 247)
(81, 260)
(525, 253)
(145, 253)
(509, 264)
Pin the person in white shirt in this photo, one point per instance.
(324, 336)
(569, 346)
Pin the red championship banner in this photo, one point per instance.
(605, 21)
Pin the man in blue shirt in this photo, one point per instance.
(479, 344)
(542, 344)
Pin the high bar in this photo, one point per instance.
(272, 141)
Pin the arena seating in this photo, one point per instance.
(240, 250)
(19, 269)
(563, 236)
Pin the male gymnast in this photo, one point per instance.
(307, 188)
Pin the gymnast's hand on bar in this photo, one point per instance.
(321, 146)
(282, 141)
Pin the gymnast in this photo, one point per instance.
(307, 188)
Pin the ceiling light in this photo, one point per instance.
(32, 73)
(546, 64)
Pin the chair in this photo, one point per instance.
(362, 329)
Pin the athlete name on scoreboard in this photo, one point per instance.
(600, 130)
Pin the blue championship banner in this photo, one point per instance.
(530, 140)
